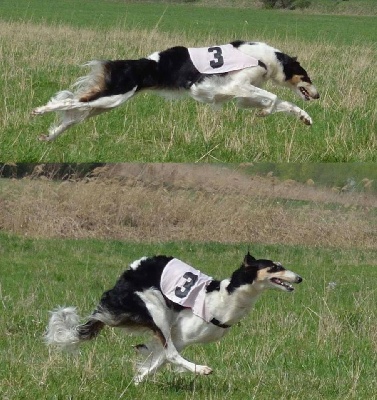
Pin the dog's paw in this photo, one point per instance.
(263, 113)
(44, 138)
(203, 370)
(138, 379)
(305, 118)
(37, 111)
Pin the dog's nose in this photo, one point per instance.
(298, 279)
(316, 96)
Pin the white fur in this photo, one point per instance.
(62, 330)
(136, 263)
(154, 56)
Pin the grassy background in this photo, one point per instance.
(318, 342)
(42, 44)
(194, 20)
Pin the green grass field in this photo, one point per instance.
(316, 343)
(43, 44)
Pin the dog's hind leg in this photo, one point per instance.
(68, 119)
(75, 111)
(66, 100)
(153, 357)
(62, 101)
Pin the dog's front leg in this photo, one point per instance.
(162, 320)
(269, 103)
(289, 108)
(158, 354)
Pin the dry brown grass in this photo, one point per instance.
(174, 202)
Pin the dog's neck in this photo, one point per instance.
(274, 67)
(229, 307)
(267, 55)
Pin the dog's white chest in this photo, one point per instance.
(186, 286)
(220, 59)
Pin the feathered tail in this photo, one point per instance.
(65, 331)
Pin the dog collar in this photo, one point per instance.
(217, 323)
(262, 64)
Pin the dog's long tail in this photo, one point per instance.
(65, 331)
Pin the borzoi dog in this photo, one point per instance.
(178, 304)
(211, 75)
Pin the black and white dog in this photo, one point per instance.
(212, 75)
(177, 303)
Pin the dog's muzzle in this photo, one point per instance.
(285, 283)
(308, 92)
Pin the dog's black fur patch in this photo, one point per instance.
(292, 67)
(242, 276)
(247, 273)
(146, 276)
(174, 70)
(122, 302)
(237, 43)
(213, 286)
(276, 268)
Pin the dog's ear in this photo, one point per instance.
(249, 260)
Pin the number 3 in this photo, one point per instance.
(183, 291)
(217, 54)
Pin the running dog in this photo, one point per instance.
(212, 75)
(175, 302)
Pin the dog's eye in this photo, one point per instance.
(276, 268)
(306, 79)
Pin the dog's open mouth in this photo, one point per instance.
(305, 93)
(279, 282)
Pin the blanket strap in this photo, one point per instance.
(217, 323)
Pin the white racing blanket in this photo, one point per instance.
(220, 59)
(186, 286)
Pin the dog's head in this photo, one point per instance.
(296, 78)
(270, 274)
